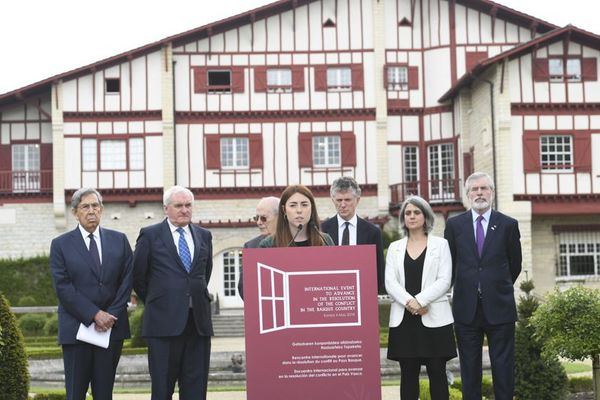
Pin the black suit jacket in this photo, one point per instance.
(252, 243)
(162, 283)
(366, 233)
(83, 290)
(496, 270)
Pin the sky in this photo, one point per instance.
(42, 38)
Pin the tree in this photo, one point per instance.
(537, 375)
(14, 376)
(568, 325)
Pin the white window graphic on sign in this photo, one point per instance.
(307, 299)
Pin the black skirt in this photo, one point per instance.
(412, 339)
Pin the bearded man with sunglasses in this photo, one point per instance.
(266, 221)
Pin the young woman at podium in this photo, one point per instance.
(297, 221)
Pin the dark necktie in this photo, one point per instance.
(346, 235)
(184, 251)
(480, 236)
(94, 251)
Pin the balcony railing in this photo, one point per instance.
(16, 182)
(437, 191)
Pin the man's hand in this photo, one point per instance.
(104, 321)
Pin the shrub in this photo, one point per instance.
(27, 277)
(51, 326)
(26, 301)
(384, 315)
(537, 375)
(487, 386)
(578, 384)
(135, 323)
(32, 324)
(13, 361)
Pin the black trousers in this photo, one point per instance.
(410, 369)
(184, 359)
(501, 347)
(87, 364)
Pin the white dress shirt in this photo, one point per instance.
(484, 222)
(351, 228)
(187, 234)
(86, 239)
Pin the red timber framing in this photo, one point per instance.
(582, 204)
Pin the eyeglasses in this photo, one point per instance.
(261, 217)
(87, 207)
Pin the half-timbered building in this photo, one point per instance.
(407, 96)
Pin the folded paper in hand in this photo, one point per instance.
(89, 334)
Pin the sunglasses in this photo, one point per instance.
(261, 217)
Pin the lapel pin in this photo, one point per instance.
(494, 227)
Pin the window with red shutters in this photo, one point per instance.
(278, 79)
(218, 79)
(240, 151)
(327, 158)
(333, 77)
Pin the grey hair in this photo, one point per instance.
(478, 175)
(425, 208)
(76, 199)
(176, 189)
(272, 202)
(344, 184)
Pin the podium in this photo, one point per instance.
(311, 323)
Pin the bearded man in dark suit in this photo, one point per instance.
(486, 255)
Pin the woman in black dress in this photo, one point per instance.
(418, 275)
(297, 221)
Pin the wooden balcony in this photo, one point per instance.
(17, 183)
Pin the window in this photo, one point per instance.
(114, 154)
(441, 172)
(112, 85)
(556, 152)
(326, 151)
(397, 78)
(232, 264)
(234, 152)
(578, 254)
(411, 170)
(219, 81)
(279, 79)
(564, 69)
(228, 79)
(26, 167)
(339, 78)
(230, 152)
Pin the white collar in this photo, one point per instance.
(341, 221)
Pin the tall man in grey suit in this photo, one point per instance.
(172, 267)
(486, 255)
(266, 221)
(91, 271)
(347, 228)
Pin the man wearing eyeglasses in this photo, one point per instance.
(92, 273)
(266, 221)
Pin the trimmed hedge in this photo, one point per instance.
(32, 324)
(27, 278)
(14, 375)
(50, 396)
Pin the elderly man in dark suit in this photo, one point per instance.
(266, 221)
(91, 271)
(172, 267)
(347, 228)
(486, 253)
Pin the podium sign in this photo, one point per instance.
(311, 322)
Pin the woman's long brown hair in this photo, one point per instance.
(283, 236)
